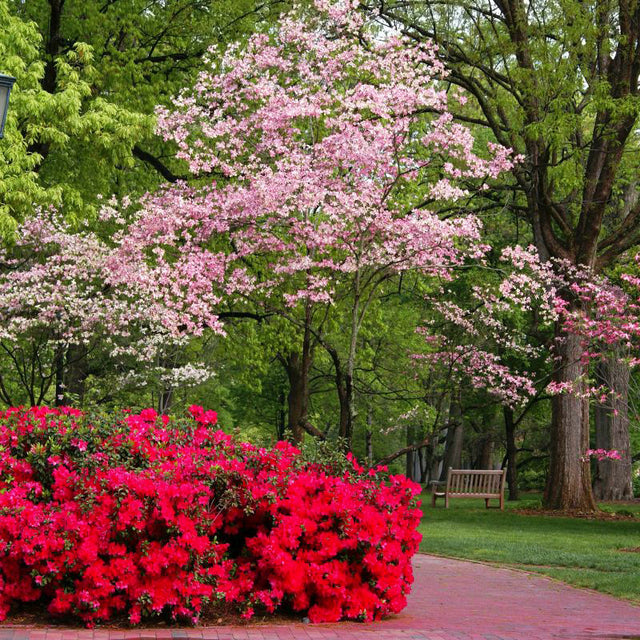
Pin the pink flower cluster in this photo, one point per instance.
(602, 454)
(146, 516)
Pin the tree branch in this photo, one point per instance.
(155, 162)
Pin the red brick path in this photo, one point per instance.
(451, 600)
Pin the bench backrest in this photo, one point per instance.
(475, 482)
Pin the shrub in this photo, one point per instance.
(142, 515)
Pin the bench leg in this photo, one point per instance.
(486, 502)
(433, 499)
(502, 502)
(446, 500)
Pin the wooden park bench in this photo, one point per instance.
(468, 483)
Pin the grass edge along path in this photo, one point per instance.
(587, 553)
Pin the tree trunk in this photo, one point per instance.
(281, 416)
(349, 407)
(166, 362)
(344, 414)
(613, 477)
(485, 452)
(423, 460)
(410, 462)
(298, 366)
(512, 453)
(569, 480)
(60, 399)
(75, 376)
(368, 437)
(368, 444)
(455, 437)
(165, 400)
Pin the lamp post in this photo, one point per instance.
(6, 83)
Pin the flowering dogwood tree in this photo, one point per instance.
(314, 161)
(58, 297)
(603, 323)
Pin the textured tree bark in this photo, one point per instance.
(512, 454)
(569, 478)
(613, 477)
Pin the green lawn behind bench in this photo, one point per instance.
(585, 553)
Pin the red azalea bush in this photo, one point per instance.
(145, 516)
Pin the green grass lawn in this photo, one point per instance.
(585, 553)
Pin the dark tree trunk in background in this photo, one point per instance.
(297, 366)
(75, 376)
(411, 455)
(613, 477)
(485, 457)
(455, 438)
(368, 445)
(166, 361)
(343, 396)
(165, 400)
(569, 478)
(281, 416)
(368, 437)
(512, 453)
(343, 401)
(424, 464)
(61, 398)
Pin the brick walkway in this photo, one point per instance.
(451, 600)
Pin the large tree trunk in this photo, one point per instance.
(569, 479)
(512, 453)
(613, 477)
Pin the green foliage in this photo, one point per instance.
(89, 75)
(40, 163)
